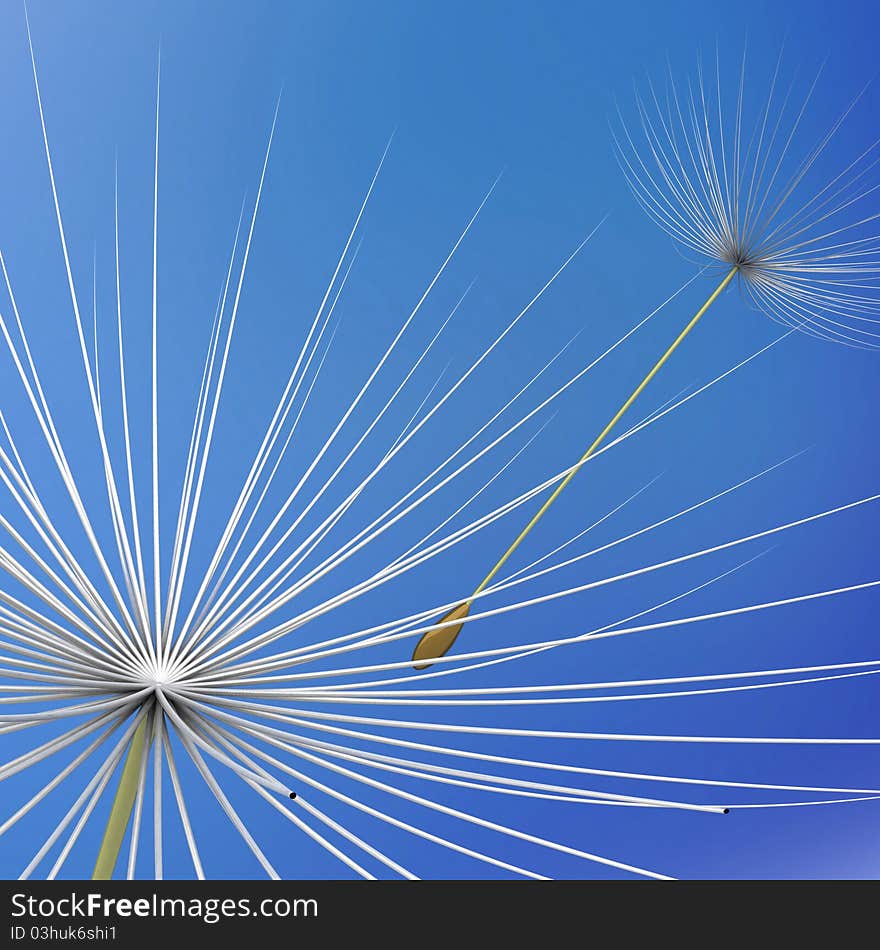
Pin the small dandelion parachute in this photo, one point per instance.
(164, 678)
(805, 251)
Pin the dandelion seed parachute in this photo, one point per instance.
(135, 678)
(806, 251)
(750, 192)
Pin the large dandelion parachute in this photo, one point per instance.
(138, 673)
(802, 244)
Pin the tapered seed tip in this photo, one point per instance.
(437, 641)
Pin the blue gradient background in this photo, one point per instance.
(473, 89)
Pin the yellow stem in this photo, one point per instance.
(439, 639)
(123, 803)
(539, 514)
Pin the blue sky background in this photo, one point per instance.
(471, 89)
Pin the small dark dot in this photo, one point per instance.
(293, 794)
(726, 811)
